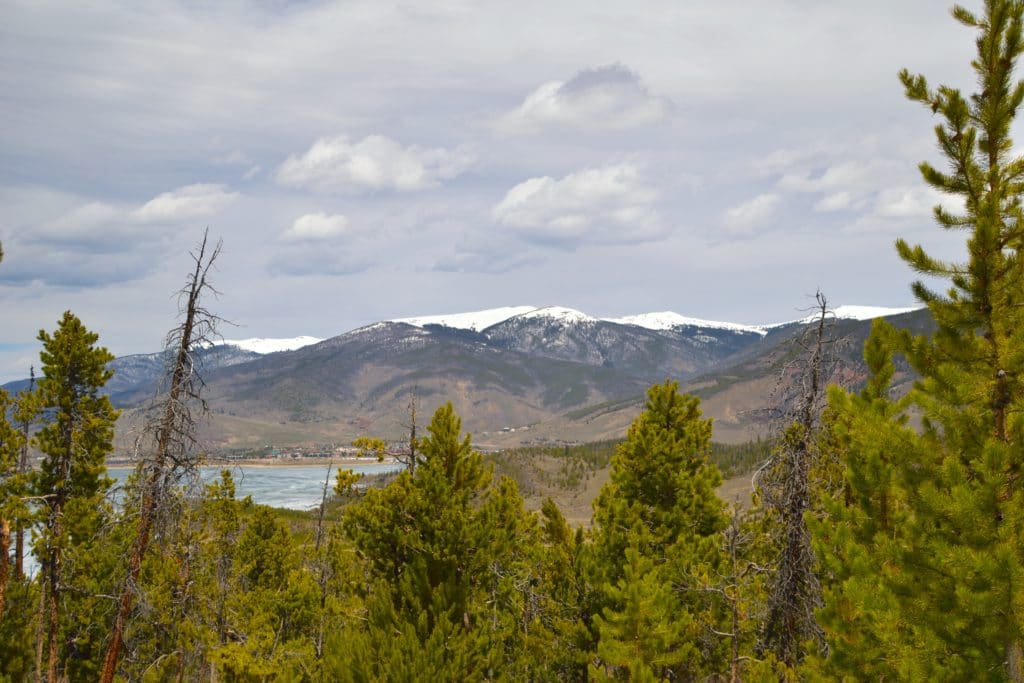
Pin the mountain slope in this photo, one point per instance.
(551, 373)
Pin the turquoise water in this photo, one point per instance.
(294, 487)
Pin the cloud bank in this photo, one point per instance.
(607, 205)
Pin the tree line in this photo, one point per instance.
(884, 543)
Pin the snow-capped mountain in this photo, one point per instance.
(515, 365)
(846, 312)
(480, 321)
(475, 320)
(667, 320)
(262, 345)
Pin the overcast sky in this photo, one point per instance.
(366, 160)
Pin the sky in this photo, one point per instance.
(369, 160)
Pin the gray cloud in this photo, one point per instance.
(302, 262)
(605, 98)
(110, 108)
(96, 242)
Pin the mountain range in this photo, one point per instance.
(515, 374)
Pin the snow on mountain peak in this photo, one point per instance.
(852, 312)
(666, 320)
(262, 345)
(558, 313)
(869, 312)
(475, 320)
(478, 321)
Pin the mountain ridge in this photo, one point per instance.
(550, 373)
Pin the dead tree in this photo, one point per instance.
(323, 567)
(732, 586)
(25, 414)
(169, 435)
(409, 459)
(785, 483)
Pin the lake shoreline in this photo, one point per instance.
(273, 463)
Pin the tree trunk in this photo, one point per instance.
(131, 580)
(40, 620)
(52, 621)
(51, 582)
(1014, 662)
(5, 568)
(169, 428)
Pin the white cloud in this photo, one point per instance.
(92, 243)
(744, 218)
(608, 205)
(606, 98)
(914, 202)
(848, 175)
(314, 227)
(190, 201)
(839, 201)
(86, 217)
(376, 162)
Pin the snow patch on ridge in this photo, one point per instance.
(851, 312)
(263, 345)
(666, 320)
(475, 320)
(559, 314)
(478, 321)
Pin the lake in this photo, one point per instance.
(296, 487)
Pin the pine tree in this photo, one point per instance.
(656, 525)
(450, 561)
(937, 513)
(71, 481)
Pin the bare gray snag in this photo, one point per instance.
(785, 483)
(166, 446)
(25, 415)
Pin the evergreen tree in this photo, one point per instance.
(571, 599)
(450, 560)
(858, 539)
(656, 525)
(936, 515)
(72, 482)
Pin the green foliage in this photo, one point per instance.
(656, 526)
(78, 434)
(76, 558)
(449, 558)
(17, 632)
(922, 547)
(370, 447)
(734, 459)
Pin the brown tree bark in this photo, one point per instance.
(5, 567)
(169, 433)
(19, 529)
